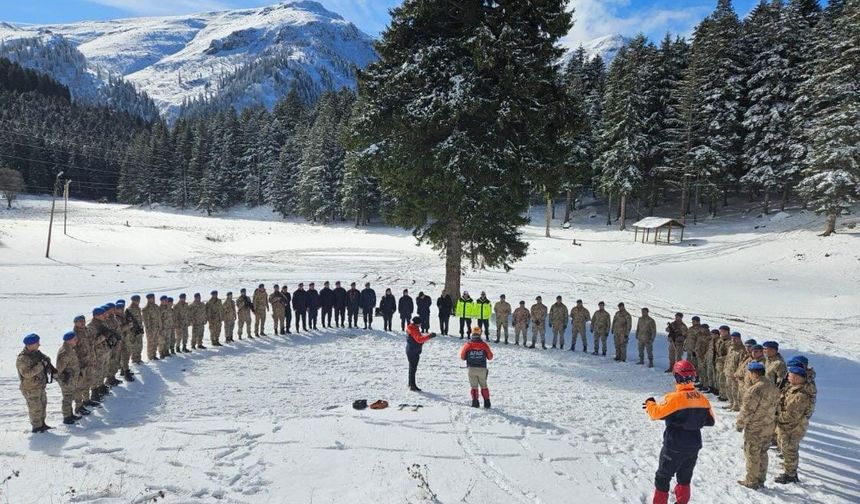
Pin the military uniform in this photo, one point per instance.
(558, 323)
(214, 315)
(68, 374)
(735, 357)
(677, 334)
(775, 368)
(32, 373)
(97, 334)
(721, 350)
(691, 344)
(84, 350)
(164, 346)
(136, 339)
(278, 317)
(180, 326)
(502, 310)
(261, 306)
(703, 357)
(578, 317)
(113, 323)
(745, 382)
(622, 322)
(646, 331)
(521, 317)
(197, 317)
(152, 325)
(757, 421)
(538, 315)
(600, 325)
(795, 408)
(243, 312)
(228, 313)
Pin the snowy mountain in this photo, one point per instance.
(253, 56)
(606, 47)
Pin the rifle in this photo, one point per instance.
(135, 325)
(50, 370)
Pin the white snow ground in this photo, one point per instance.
(269, 421)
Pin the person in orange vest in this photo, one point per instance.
(414, 344)
(685, 412)
(476, 352)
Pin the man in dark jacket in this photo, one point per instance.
(300, 306)
(414, 344)
(685, 411)
(353, 302)
(368, 304)
(313, 302)
(445, 305)
(388, 305)
(288, 312)
(405, 307)
(327, 304)
(339, 295)
(422, 306)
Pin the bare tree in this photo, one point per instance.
(11, 184)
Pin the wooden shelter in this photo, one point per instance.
(656, 226)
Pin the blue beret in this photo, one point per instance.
(31, 338)
(214, 293)
(80, 317)
(163, 298)
(135, 297)
(750, 342)
(150, 295)
(755, 365)
(696, 317)
(170, 300)
(69, 335)
(736, 334)
(757, 347)
(798, 370)
(182, 296)
(120, 302)
(110, 306)
(98, 310)
(799, 360)
(229, 293)
(770, 344)
(724, 328)
(196, 294)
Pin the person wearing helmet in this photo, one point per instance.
(414, 344)
(685, 412)
(476, 353)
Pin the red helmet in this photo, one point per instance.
(684, 368)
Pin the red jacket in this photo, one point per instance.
(414, 339)
(476, 353)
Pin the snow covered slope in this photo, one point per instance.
(606, 47)
(269, 420)
(182, 58)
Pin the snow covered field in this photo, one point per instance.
(269, 421)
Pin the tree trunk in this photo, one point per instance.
(552, 207)
(609, 210)
(830, 224)
(785, 191)
(549, 211)
(567, 204)
(453, 260)
(618, 208)
(652, 198)
(685, 197)
(623, 213)
(766, 201)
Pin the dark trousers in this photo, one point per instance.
(301, 316)
(312, 318)
(484, 324)
(413, 368)
(288, 319)
(405, 319)
(465, 322)
(443, 324)
(326, 317)
(352, 317)
(425, 321)
(368, 319)
(673, 463)
(339, 316)
(387, 318)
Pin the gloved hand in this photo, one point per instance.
(432, 335)
(645, 404)
(739, 428)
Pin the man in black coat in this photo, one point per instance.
(353, 302)
(339, 294)
(422, 306)
(388, 305)
(300, 306)
(288, 312)
(405, 307)
(445, 305)
(326, 304)
(368, 304)
(313, 302)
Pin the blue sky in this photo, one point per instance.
(594, 18)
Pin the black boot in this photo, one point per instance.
(785, 479)
(82, 411)
(92, 403)
(475, 403)
(487, 403)
(69, 420)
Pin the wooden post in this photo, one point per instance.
(669, 234)
(635, 233)
(682, 235)
(51, 221)
(66, 205)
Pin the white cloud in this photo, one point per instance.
(163, 7)
(597, 18)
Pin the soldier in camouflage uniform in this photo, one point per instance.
(538, 319)
(180, 324)
(737, 355)
(112, 322)
(622, 322)
(578, 317)
(757, 421)
(710, 361)
(600, 325)
(166, 314)
(68, 374)
(756, 354)
(126, 329)
(34, 369)
(692, 342)
(700, 350)
(152, 325)
(646, 332)
(261, 306)
(721, 349)
(774, 366)
(796, 405)
(197, 317)
(84, 349)
(676, 332)
(243, 312)
(278, 309)
(502, 311)
(229, 315)
(214, 315)
(558, 322)
(520, 318)
(136, 340)
(103, 340)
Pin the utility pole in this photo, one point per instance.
(51, 222)
(66, 205)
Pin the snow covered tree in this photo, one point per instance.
(579, 134)
(11, 184)
(669, 152)
(458, 113)
(289, 118)
(321, 167)
(832, 179)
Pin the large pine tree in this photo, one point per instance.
(458, 113)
